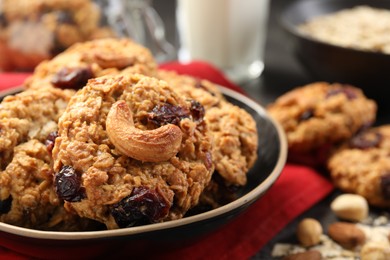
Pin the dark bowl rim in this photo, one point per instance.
(248, 198)
(292, 27)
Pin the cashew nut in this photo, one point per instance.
(155, 145)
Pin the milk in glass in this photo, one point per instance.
(227, 33)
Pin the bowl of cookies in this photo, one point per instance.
(100, 148)
(342, 41)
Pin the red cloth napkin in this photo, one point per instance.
(297, 189)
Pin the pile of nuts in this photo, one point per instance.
(355, 236)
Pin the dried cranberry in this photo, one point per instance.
(65, 17)
(348, 91)
(385, 185)
(50, 139)
(68, 185)
(366, 140)
(143, 206)
(197, 111)
(167, 114)
(364, 127)
(73, 78)
(208, 161)
(5, 205)
(306, 115)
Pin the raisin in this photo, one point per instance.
(306, 115)
(167, 114)
(72, 78)
(385, 185)
(5, 205)
(68, 185)
(208, 161)
(349, 92)
(142, 206)
(197, 111)
(50, 140)
(366, 140)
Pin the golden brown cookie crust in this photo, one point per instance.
(362, 165)
(31, 114)
(321, 113)
(233, 129)
(82, 61)
(107, 175)
(27, 196)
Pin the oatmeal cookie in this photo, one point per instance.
(31, 114)
(72, 68)
(233, 129)
(32, 31)
(234, 135)
(131, 151)
(320, 114)
(362, 165)
(235, 142)
(28, 123)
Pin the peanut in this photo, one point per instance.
(309, 232)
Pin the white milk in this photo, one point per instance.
(228, 33)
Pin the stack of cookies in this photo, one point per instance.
(101, 138)
(331, 125)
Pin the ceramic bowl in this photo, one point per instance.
(169, 235)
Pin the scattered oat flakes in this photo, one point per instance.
(376, 229)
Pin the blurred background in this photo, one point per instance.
(282, 70)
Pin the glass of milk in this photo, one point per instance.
(230, 34)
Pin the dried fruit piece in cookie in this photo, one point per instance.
(73, 67)
(138, 152)
(362, 165)
(320, 114)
